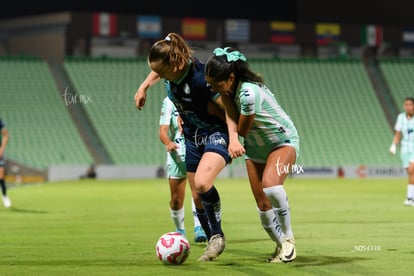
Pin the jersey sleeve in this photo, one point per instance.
(1, 124)
(398, 123)
(166, 112)
(247, 99)
(214, 95)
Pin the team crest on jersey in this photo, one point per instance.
(187, 89)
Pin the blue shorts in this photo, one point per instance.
(2, 162)
(196, 146)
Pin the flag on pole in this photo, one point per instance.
(237, 30)
(104, 24)
(327, 33)
(282, 32)
(194, 28)
(408, 37)
(149, 26)
(371, 35)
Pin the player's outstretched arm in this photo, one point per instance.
(395, 142)
(236, 149)
(4, 140)
(141, 94)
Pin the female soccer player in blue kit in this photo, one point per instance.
(172, 137)
(210, 142)
(4, 138)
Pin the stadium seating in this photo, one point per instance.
(332, 103)
(130, 136)
(40, 128)
(335, 109)
(399, 76)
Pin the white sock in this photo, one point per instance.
(410, 191)
(278, 198)
(282, 229)
(271, 225)
(178, 218)
(193, 208)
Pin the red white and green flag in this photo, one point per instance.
(371, 35)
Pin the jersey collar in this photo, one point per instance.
(185, 73)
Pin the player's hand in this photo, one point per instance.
(393, 149)
(140, 97)
(171, 147)
(236, 149)
(180, 123)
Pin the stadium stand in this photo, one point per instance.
(335, 109)
(130, 136)
(331, 101)
(41, 130)
(399, 74)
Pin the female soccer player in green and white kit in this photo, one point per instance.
(270, 139)
(404, 135)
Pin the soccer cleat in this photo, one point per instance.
(204, 258)
(288, 250)
(409, 202)
(276, 256)
(181, 231)
(214, 248)
(6, 202)
(199, 234)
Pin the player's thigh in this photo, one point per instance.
(279, 163)
(410, 169)
(2, 167)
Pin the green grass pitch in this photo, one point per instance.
(97, 227)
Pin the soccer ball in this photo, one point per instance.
(172, 248)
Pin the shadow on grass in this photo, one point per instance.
(68, 263)
(320, 260)
(31, 211)
(301, 260)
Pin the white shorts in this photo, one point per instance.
(406, 158)
(176, 168)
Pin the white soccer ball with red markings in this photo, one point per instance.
(172, 248)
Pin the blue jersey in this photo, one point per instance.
(190, 97)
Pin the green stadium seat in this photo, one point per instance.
(334, 107)
(130, 136)
(399, 75)
(41, 130)
(332, 103)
